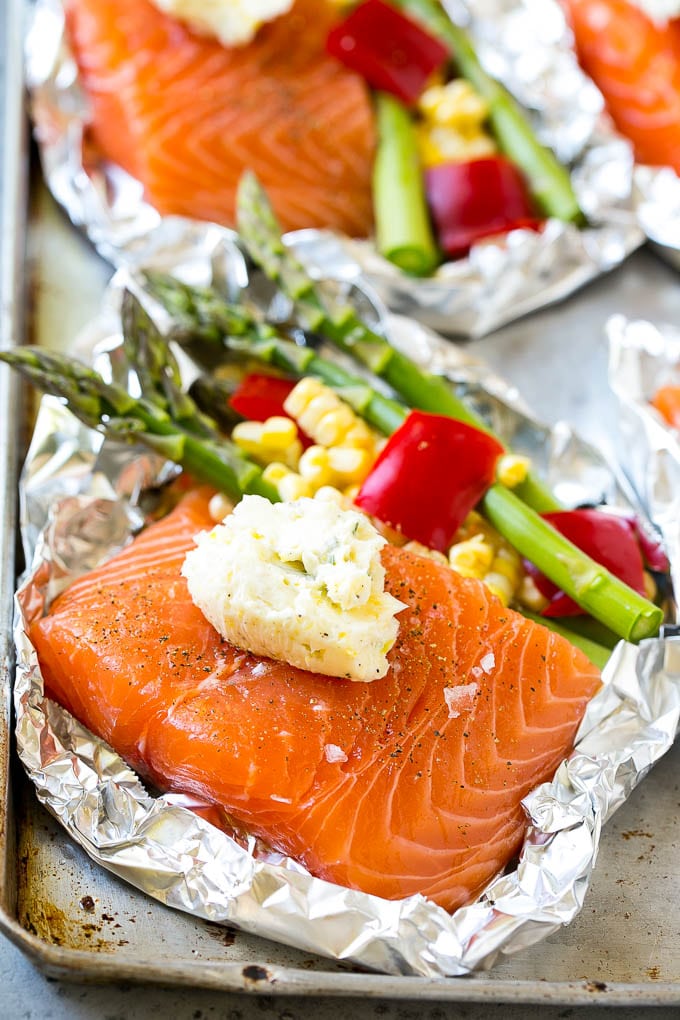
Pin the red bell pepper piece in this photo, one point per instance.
(390, 51)
(469, 201)
(259, 397)
(608, 539)
(429, 476)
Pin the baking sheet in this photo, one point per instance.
(66, 913)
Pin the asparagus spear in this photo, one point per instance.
(402, 221)
(111, 410)
(147, 351)
(340, 323)
(597, 591)
(548, 180)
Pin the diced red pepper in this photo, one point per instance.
(259, 397)
(470, 201)
(390, 51)
(429, 476)
(608, 539)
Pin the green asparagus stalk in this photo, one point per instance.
(402, 221)
(340, 323)
(549, 182)
(111, 410)
(597, 591)
(157, 371)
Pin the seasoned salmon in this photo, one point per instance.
(186, 115)
(635, 63)
(409, 784)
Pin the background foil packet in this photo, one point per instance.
(526, 44)
(643, 357)
(80, 504)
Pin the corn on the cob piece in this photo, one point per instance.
(456, 104)
(325, 417)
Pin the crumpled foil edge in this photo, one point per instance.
(79, 504)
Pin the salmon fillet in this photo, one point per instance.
(408, 784)
(635, 63)
(186, 115)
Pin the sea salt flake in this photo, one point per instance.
(488, 662)
(334, 753)
(460, 699)
(259, 669)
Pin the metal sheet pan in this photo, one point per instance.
(77, 922)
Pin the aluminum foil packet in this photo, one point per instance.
(524, 43)
(642, 358)
(80, 499)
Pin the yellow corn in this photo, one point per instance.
(351, 492)
(294, 486)
(272, 440)
(315, 467)
(424, 550)
(456, 104)
(472, 557)
(512, 470)
(325, 417)
(275, 472)
(330, 493)
(482, 553)
(219, 506)
(278, 432)
(505, 575)
(443, 144)
(528, 595)
(349, 464)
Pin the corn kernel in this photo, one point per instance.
(456, 103)
(301, 394)
(219, 506)
(247, 435)
(349, 463)
(500, 586)
(351, 492)
(331, 428)
(512, 470)
(275, 473)
(294, 486)
(472, 557)
(424, 550)
(330, 493)
(309, 418)
(507, 566)
(650, 586)
(278, 432)
(315, 467)
(359, 435)
(528, 595)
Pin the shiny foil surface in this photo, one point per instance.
(642, 358)
(81, 502)
(526, 44)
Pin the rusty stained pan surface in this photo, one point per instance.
(76, 921)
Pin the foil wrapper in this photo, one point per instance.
(81, 502)
(527, 45)
(642, 358)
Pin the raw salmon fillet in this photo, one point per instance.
(186, 115)
(635, 63)
(408, 784)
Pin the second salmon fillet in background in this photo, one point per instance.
(186, 116)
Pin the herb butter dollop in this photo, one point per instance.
(233, 22)
(301, 582)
